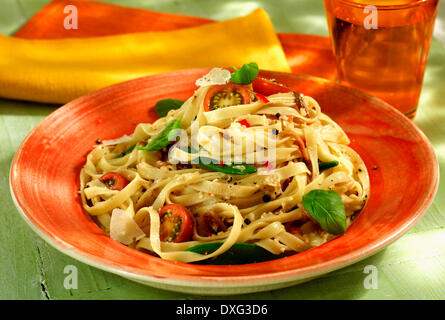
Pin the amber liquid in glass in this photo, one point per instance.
(389, 61)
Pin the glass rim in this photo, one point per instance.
(409, 5)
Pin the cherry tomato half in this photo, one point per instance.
(176, 223)
(268, 87)
(114, 181)
(226, 95)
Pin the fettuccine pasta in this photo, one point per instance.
(284, 137)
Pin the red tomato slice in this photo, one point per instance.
(244, 122)
(226, 95)
(262, 98)
(114, 181)
(176, 223)
(268, 87)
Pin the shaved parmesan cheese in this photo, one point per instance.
(122, 139)
(216, 76)
(123, 228)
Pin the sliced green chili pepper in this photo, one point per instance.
(238, 169)
(327, 165)
(163, 139)
(129, 150)
(162, 107)
(239, 253)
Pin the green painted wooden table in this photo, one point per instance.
(413, 267)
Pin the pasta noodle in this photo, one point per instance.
(263, 208)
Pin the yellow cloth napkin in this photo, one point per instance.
(58, 71)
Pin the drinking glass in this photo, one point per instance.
(382, 46)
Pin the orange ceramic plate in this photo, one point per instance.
(45, 182)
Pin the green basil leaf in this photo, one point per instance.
(327, 165)
(163, 139)
(246, 74)
(238, 169)
(239, 253)
(162, 107)
(327, 208)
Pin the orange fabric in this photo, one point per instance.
(60, 70)
(306, 54)
(101, 19)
